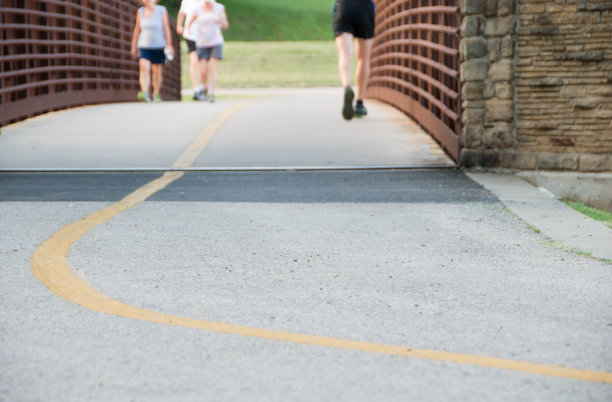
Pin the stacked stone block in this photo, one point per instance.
(564, 85)
(537, 84)
(487, 51)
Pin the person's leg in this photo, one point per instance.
(145, 75)
(203, 64)
(194, 70)
(157, 79)
(212, 78)
(145, 79)
(363, 51)
(344, 45)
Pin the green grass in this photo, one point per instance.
(274, 20)
(273, 64)
(274, 43)
(534, 229)
(594, 213)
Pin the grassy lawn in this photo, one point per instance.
(594, 213)
(273, 20)
(274, 43)
(273, 64)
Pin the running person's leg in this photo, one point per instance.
(363, 52)
(364, 21)
(343, 33)
(353, 19)
(344, 46)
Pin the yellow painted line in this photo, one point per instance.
(196, 147)
(50, 265)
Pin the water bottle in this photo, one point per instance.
(169, 56)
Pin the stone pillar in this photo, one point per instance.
(487, 50)
(536, 82)
(563, 86)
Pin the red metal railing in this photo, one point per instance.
(56, 54)
(415, 64)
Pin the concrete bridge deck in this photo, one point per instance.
(275, 128)
(238, 284)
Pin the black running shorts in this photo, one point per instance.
(191, 45)
(355, 17)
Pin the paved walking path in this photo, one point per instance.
(287, 128)
(354, 284)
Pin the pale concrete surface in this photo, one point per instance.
(302, 128)
(594, 189)
(556, 220)
(285, 128)
(126, 135)
(421, 268)
(422, 259)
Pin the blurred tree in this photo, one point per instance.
(172, 6)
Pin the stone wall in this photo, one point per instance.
(537, 84)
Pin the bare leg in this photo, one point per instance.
(157, 78)
(145, 75)
(344, 45)
(194, 70)
(203, 71)
(363, 51)
(212, 75)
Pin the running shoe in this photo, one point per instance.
(347, 108)
(200, 95)
(158, 98)
(144, 97)
(212, 99)
(360, 110)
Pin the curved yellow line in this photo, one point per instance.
(50, 265)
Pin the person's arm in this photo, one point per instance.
(180, 22)
(135, 36)
(223, 21)
(168, 33)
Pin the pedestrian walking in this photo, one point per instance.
(209, 20)
(151, 42)
(186, 11)
(354, 22)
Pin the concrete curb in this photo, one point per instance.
(540, 209)
(594, 189)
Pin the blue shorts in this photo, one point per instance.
(205, 53)
(155, 56)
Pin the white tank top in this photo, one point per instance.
(152, 29)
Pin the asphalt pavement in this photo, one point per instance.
(276, 282)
